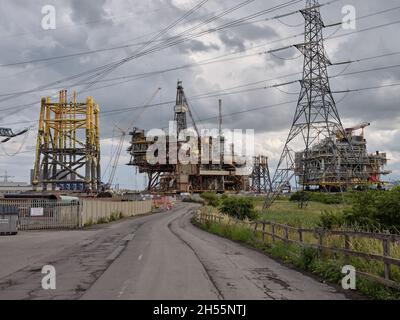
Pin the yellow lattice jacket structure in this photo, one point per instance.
(68, 145)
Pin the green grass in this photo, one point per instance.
(327, 267)
(287, 212)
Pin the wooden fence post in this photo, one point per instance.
(286, 235)
(320, 241)
(263, 232)
(273, 232)
(386, 253)
(347, 247)
(300, 235)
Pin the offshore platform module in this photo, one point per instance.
(186, 177)
(68, 145)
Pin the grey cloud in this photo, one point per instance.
(380, 107)
(87, 11)
(198, 46)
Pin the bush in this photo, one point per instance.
(308, 257)
(325, 198)
(329, 220)
(210, 198)
(375, 210)
(240, 208)
(300, 196)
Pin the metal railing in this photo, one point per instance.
(40, 214)
(265, 231)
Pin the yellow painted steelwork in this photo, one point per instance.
(68, 145)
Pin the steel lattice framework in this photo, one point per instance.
(9, 134)
(260, 177)
(68, 145)
(316, 120)
(181, 108)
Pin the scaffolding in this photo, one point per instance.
(68, 145)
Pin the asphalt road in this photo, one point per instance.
(161, 256)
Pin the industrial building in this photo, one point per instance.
(356, 166)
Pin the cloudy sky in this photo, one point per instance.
(123, 27)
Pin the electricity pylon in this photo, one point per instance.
(316, 120)
(9, 134)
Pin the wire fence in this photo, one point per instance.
(39, 214)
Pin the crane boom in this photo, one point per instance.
(358, 127)
(117, 154)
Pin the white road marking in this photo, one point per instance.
(126, 283)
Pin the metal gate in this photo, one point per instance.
(43, 214)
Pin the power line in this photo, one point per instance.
(369, 88)
(99, 71)
(365, 29)
(271, 52)
(79, 25)
(271, 79)
(129, 109)
(140, 52)
(264, 52)
(78, 54)
(209, 31)
(201, 63)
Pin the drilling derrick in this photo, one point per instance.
(68, 145)
(181, 108)
(316, 120)
(181, 178)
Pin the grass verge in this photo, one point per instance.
(307, 259)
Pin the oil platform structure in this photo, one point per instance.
(68, 145)
(332, 158)
(183, 178)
